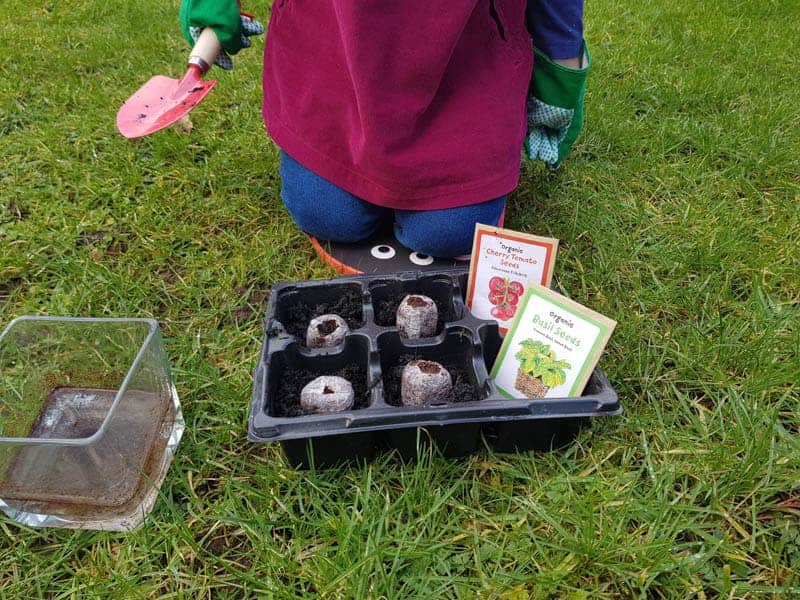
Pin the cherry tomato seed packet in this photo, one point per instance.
(503, 262)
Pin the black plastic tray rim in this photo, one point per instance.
(602, 401)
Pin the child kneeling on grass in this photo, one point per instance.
(410, 110)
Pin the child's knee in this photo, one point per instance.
(426, 234)
(445, 233)
(322, 209)
(306, 215)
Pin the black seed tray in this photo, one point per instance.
(371, 358)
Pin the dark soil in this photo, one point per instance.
(286, 400)
(463, 389)
(327, 327)
(348, 306)
(386, 311)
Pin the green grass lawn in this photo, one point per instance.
(679, 215)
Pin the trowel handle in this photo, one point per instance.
(205, 50)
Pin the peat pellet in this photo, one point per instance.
(326, 331)
(327, 394)
(424, 382)
(416, 317)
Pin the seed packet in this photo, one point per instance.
(503, 262)
(552, 347)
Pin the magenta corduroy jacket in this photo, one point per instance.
(409, 104)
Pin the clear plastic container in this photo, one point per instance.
(89, 421)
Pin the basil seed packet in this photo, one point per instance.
(551, 348)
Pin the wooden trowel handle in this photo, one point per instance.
(205, 50)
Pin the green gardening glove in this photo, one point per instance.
(232, 28)
(555, 108)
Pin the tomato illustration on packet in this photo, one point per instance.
(502, 266)
(504, 295)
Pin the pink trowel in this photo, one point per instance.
(162, 101)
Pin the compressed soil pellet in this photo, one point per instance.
(417, 316)
(424, 382)
(327, 394)
(326, 331)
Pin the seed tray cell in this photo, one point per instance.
(386, 295)
(372, 358)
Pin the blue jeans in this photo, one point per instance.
(327, 212)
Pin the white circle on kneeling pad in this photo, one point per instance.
(423, 260)
(383, 252)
